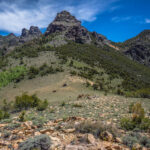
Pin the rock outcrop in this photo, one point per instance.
(138, 48)
(139, 53)
(70, 27)
(8, 43)
(27, 35)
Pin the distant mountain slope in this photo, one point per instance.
(70, 41)
(8, 43)
(138, 48)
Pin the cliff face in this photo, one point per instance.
(138, 48)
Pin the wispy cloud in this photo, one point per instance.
(147, 20)
(133, 19)
(18, 14)
(121, 19)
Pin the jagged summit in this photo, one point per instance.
(33, 32)
(69, 27)
(65, 16)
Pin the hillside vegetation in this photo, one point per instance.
(135, 77)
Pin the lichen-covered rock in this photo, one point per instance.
(41, 142)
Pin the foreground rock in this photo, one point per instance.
(57, 135)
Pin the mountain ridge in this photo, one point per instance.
(66, 27)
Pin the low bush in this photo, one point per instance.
(127, 123)
(134, 138)
(4, 115)
(22, 116)
(96, 128)
(14, 74)
(26, 101)
(5, 106)
(42, 105)
(41, 142)
(137, 120)
(43, 70)
(32, 72)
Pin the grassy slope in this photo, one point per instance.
(105, 60)
(136, 76)
(103, 107)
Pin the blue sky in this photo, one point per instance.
(118, 20)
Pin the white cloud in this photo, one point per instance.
(15, 17)
(147, 20)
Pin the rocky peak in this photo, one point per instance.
(69, 27)
(27, 35)
(65, 16)
(25, 32)
(34, 31)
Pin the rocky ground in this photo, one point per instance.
(97, 128)
(56, 135)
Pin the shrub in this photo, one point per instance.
(130, 140)
(134, 137)
(96, 128)
(73, 73)
(22, 116)
(14, 74)
(145, 141)
(26, 101)
(145, 124)
(120, 92)
(38, 121)
(95, 86)
(63, 104)
(138, 113)
(90, 127)
(4, 115)
(127, 123)
(138, 119)
(41, 142)
(5, 106)
(87, 84)
(71, 63)
(32, 72)
(131, 107)
(42, 105)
